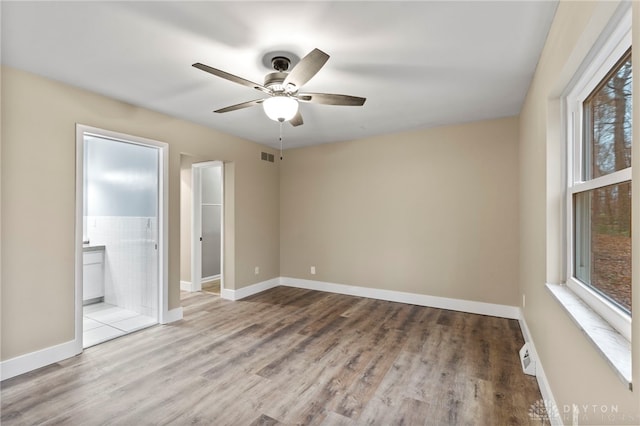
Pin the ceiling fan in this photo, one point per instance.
(283, 87)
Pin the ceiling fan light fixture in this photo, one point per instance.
(283, 85)
(280, 108)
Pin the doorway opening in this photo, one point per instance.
(207, 224)
(120, 227)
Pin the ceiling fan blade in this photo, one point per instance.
(306, 68)
(240, 106)
(331, 99)
(297, 120)
(231, 77)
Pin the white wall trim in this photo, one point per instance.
(545, 389)
(186, 286)
(163, 215)
(31, 361)
(34, 360)
(172, 315)
(47, 356)
(250, 290)
(469, 306)
(211, 278)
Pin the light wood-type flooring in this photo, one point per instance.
(289, 356)
(212, 287)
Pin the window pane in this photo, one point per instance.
(603, 241)
(607, 145)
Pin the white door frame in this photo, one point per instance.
(196, 223)
(163, 223)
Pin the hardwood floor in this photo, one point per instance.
(289, 356)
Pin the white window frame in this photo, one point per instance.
(613, 48)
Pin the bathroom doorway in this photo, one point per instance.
(120, 276)
(207, 226)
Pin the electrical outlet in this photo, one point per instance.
(313, 270)
(524, 300)
(257, 270)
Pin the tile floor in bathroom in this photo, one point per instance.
(102, 322)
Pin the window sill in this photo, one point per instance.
(615, 348)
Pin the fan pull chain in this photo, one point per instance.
(280, 140)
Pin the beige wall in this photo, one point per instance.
(38, 202)
(462, 211)
(432, 212)
(577, 373)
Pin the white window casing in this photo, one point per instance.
(600, 64)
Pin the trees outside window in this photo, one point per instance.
(602, 192)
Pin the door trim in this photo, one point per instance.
(164, 315)
(196, 223)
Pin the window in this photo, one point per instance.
(599, 184)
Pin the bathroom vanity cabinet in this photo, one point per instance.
(92, 274)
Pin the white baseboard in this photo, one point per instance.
(34, 360)
(31, 361)
(171, 316)
(543, 383)
(469, 306)
(211, 278)
(189, 286)
(503, 311)
(250, 290)
(482, 308)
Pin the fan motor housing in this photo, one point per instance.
(280, 63)
(274, 81)
(279, 60)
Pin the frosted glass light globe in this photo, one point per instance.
(280, 108)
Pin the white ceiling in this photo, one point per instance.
(419, 64)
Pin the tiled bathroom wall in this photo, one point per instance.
(131, 260)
